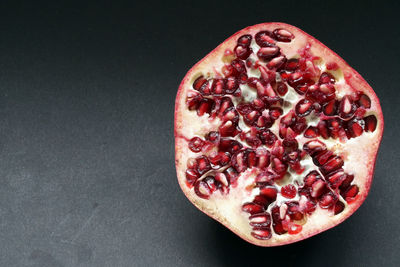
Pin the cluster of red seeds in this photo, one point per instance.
(224, 158)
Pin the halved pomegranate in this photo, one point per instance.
(275, 135)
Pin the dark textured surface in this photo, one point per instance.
(87, 175)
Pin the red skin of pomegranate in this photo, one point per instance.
(361, 153)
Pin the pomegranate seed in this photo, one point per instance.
(267, 137)
(355, 127)
(231, 174)
(294, 210)
(196, 144)
(323, 129)
(275, 113)
(242, 52)
(327, 200)
(311, 132)
(229, 145)
(202, 189)
(263, 39)
(332, 66)
(346, 107)
(206, 105)
(245, 40)
(261, 233)
(332, 165)
(281, 88)
(191, 176)
(267, 53)
(339, 207)
(199, 82)
(314, 146)
(350, 193)
(212, 184)
(261, 200)
(252, 208)
(303, 108)
(329, 108)
(311, 178)
(228, 129)
(318, 188)
(292, 64)
(265, 178)
(364, 101)
(346, 182)
(288, 191)
(370, 123)
(260, 220)
(231, 85)
(269, 192)
(203, 165)
(294, 229)
(282, 35)
(277, 62)
(213, 137)
(335, 179)
(326, 77)
(322, 157)
(238, 66)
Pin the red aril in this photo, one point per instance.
(276, 139)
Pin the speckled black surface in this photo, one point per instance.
(87, 175)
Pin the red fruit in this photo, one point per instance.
(243, 140)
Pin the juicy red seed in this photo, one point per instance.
(191, 175)
(269, 192)
(350, 193)
(275, 113)
(314, 146)
(212, 184)
(318, 188)
(326, 77)
(288, 191)
(196, 144)
(322, 157)
(261, 200)
(303, 108)
(346, 182)
(260, 220)
(364, 101)
(206, 105)
(339, 207)
(242, 52)
(277, 62)
(347, 108)
(329, 108)
(263, 39)
(332, 165)
(231, 85)
(278, 228)
(228, 128)
(229, 145)
(231, 174)
(311, 132)
(370, 123)
(281, 88)
(294, 229)
(266, 53)
(311, 178)
(199, 82)
(327, 200)
(332, 66)
(203, 165)
(261, 233)
(245, 40)
(267, 137)
(282, 35)
(294, 210)
(355, 127)
(265, 178)
(252, 208)
(252, 82)
(202, 189)
(323, 129)
(292, 64)
(213, 137)
(335, 179)
(238, 65)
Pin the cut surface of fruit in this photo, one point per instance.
(276, 136)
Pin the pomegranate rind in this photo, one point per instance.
(367, 152)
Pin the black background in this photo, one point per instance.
(87, 175)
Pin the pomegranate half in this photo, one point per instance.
(276, 136)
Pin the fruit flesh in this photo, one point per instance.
(359, 153)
